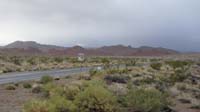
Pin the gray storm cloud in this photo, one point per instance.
(168, 23)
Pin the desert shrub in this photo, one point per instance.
(57, 78)
(16, 60)
(177, 64)
(178, 76)
(112, 71)
(51, 89)
(118, 71)
(7, 70)
(93, 72)
(36, 106)
(44, 59)
(181, 87)
(60, 104)
(156, 66)
(94, 82)
(31, 61)
(54, 104)
(68, 77)
(195, 107)
(198, 63)
(145, 100)
(84, 77)
(131, 62)
(46, 79)
(116, 78)
(147, 80)
(58, 59)
(27, 85)
(95, 98)
(16, 84)
(73, 60)
(105, 61)
(37, 89)
(10, 87)
(71, 91)
(125, 71)
(154, 60)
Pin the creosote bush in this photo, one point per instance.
(117, 78)
(70, 92)
(93, 72)
(37, 89)
(145, 100)
(95, 99)
(178, 76)
(46, 79)
(10, 87)
(117, 71)
(36, 106)
(51, 89)
(54, 104)
(60, 104)
(156, 66)
(27, 85)
(178, 64)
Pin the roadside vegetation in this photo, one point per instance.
(123, 85)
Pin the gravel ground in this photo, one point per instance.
(13, 100)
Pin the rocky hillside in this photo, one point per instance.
(34, 48)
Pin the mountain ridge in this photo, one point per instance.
(34, 48)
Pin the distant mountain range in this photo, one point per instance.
(34, 48)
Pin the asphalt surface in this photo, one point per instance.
(36, 75)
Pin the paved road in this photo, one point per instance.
(36, 75)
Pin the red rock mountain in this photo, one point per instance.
(33, 48)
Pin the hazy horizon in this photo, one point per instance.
(77, 44)
(172, 24)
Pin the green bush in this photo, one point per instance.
(95, 99)
(145, 100)
(54, 104)
(93, 72)
(36, 106)
(31, 61)
(147, 80)
(118, 71)
(16, 84)
(105, 61)
(131, 62)
(37, 89)
(70, 92)
(46, 79)
(117, 78)
(178, 76)
(154, 60)
(10, 87)
(177, 64)
(156, 66)
(58, 59)
(7, 70)
(27, 85)
(195, 107)
(16, 60)
(51, 89)
(68, 77)
(60, 104)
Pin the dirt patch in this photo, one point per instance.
(13, 100)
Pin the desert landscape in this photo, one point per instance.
(99, 56)
(168, 82)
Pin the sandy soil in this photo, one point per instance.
(13, 100)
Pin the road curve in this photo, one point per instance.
(36, 75)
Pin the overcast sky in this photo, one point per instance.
(167, 23)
